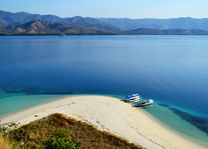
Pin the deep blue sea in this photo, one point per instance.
(172, 70)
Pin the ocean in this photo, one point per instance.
(172, 70)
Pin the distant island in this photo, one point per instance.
(22, 23)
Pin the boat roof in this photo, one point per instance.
(132, 95)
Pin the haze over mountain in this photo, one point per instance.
(175, 23)
(148, 31)
(22, 23)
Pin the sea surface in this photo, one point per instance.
(172, 70)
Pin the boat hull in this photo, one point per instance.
(144, 103)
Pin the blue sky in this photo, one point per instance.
(111, 8)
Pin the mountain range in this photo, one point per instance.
(22, 23)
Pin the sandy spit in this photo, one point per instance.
(109, 114)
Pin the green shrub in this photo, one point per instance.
(60, 141)
(19, 135)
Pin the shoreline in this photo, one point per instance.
(109, 114)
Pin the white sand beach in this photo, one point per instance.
(109, 114)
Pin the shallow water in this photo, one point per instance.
(173, 70)
(177, 123)
(18, 102)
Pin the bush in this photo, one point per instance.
(5, 128)
(19, 135)
(60, 141)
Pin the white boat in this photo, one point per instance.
(132, 98)
(144, 103)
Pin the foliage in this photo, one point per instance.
(4, 144)
(4, 129)
(60, 141)
(58, 131)
(5, 141)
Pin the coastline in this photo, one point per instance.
(109, 114)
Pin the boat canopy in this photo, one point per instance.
(131, 96)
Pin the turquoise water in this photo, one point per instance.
(177, 123)
(16, 102)
(173, 70)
